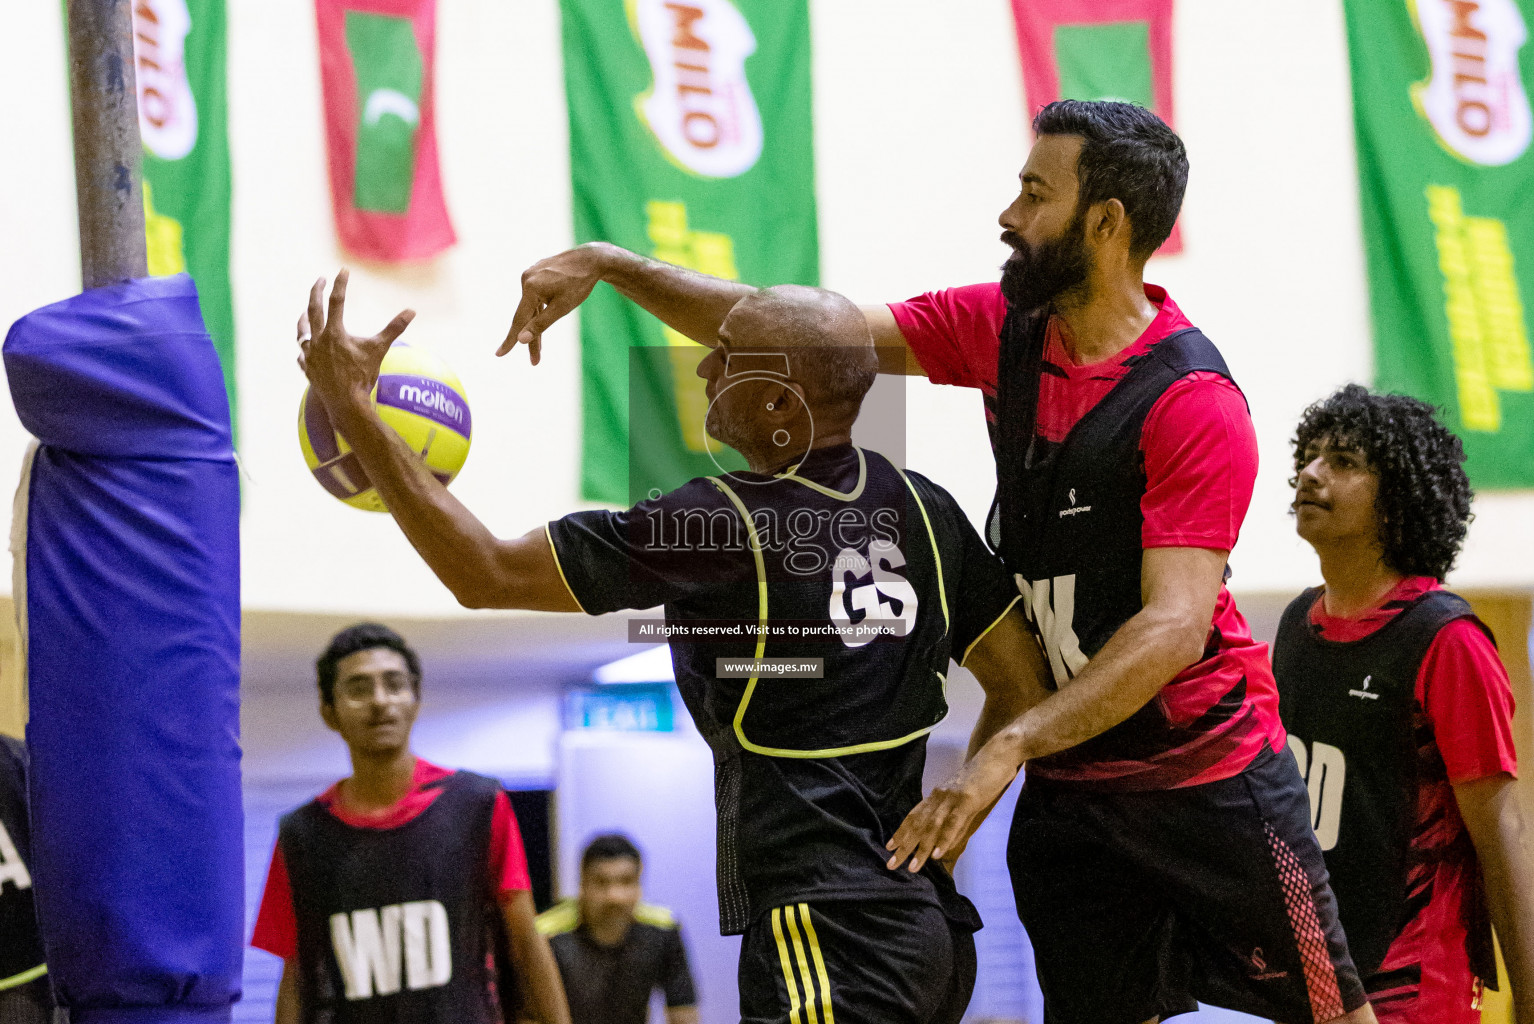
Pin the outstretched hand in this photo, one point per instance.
(940, 826)
(340, 366)
(550, 289)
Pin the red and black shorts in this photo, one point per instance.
(1141, 904)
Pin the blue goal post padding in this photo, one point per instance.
(127, 581)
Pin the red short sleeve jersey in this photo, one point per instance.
(1200, 462)
(1199, 444)
(276, 928)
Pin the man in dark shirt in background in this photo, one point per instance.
(614, 950)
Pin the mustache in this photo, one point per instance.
(1014, 240)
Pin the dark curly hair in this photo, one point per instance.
(364, 636)
(1424, 496)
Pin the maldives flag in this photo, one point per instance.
(1098, 50)
(376, 60)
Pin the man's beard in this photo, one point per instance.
(1035, 276)
(722, 428)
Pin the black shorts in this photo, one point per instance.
(31, 1003)
(1140, 903)
(856, 962)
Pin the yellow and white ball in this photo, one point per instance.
(420, 398)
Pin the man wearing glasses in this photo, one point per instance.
(385, 891)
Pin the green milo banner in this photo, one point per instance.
(1442, 114)
(690, 141)
(179, 54)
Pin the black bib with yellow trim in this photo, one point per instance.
(853, 579)
(813, 775)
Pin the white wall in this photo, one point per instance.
(919, 133)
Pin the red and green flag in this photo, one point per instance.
(1098, 50)
(690, 141)
(376, 70)
(179, 58)
(1441, 111)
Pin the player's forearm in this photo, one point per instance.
(1004, 704)
(1008, 665)
(890, 345)
(288, 1010)
(545, 1000)
(1504, 845)
(456, 546)
(991, 721)
(689, 302)
(543, 991)
(681, 1015)
(1142, 657)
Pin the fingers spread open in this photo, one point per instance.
(394, 328)
(338, 297)
(317, 308)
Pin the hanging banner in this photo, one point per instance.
(376, 69)
(1098, 50)
(690, 140)
(179, 60)
(1442, 116)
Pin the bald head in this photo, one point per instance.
(823, 334)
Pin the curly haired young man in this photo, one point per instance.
(1399, 712)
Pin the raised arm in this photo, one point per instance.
(689, 302)
(482, 570)
(694, 304)
(895, 355)
(1179, 587)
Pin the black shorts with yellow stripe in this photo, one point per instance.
(856, 962)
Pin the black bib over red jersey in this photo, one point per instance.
(1067, 520)
(1360, 735)
(21, 948)
(392, 923)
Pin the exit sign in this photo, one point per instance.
(638, 707)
